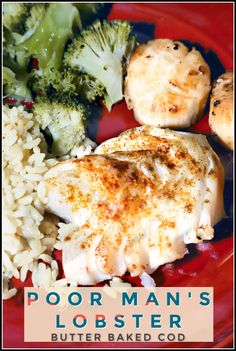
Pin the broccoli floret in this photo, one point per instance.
(56, 82)
(13, 87)
(48, 29)
(35, 15)
(101, 51)
(89, 88)
(14, 16)
(63, 120)
(52, 82)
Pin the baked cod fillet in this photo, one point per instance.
(136, 202)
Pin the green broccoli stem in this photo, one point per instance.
(49, 39)
(111, 76)
(101, 52)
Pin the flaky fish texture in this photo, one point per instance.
(137, 201)
(221, 116)
(167, 85)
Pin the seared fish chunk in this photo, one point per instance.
(167, 85)
(136, 202)
(221, 117)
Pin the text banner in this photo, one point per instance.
(103, 314)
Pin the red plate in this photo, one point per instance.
(211, 25)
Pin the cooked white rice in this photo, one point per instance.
(28, 234)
